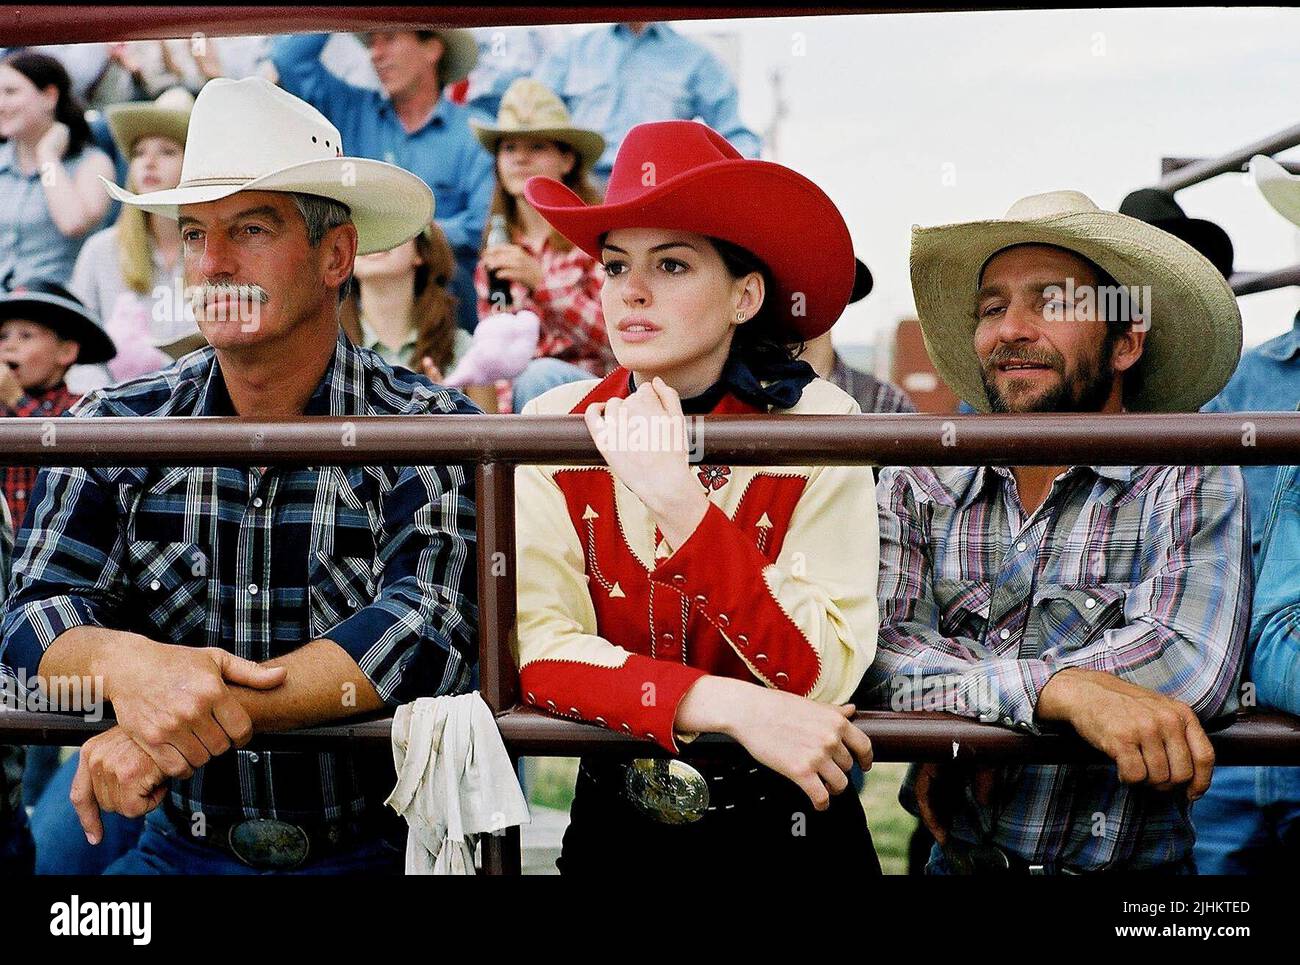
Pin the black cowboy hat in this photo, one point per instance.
(50, 304)
(1158, 208)
(862, 281)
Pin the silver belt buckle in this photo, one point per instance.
(273, 845)
(670, 791)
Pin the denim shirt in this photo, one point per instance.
(1267, 380)
(1275, 617)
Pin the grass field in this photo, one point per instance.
(551, 785)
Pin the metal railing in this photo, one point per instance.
(496, 444)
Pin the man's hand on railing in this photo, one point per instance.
(114, 774)
(1152, 738)
(175, 703)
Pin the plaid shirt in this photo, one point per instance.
(568, 304)
(380, 560)
(20, 480)
(872, 394)
(1143, 573)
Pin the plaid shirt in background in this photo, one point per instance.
(1143, 573)
(380, 560)
(19, 481)
(872, 394)
(568, 304)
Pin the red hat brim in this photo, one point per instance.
(779, 216)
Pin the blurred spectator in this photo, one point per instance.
(504, 55)
(48, 171)
(872, 394)
(44, 330)
(614, 78)
(129, 274)
(409, 124)
(548, 275)
(402, 309)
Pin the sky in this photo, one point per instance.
(935, 118)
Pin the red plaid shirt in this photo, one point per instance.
(19, 481)
(568, 304)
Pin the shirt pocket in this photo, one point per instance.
(661, 98)
(590, 92)
(169, 581)
(339, 586)
(1072, 616)
(963, 607)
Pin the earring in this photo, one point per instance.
(740, 316)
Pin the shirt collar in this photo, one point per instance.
(650, 30)
(371, 341)
(341, 390)
(8, 156)
(439, 117)
(978, 478)
(1284, 347)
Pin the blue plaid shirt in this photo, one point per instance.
(380, 560)
(1143, 573)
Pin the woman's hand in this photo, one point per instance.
(643, 441)
(53, 143)
(811, 743)
(512, 263)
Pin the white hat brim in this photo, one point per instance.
(1192, 346)
(389, 205)
(1279, 186)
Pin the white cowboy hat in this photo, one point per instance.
(249, 135)
(532, 109)
(1194, 340)
(1279, 187)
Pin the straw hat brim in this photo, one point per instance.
(388, 205)
(1192, 346)
(1279, 186)
(127, 123)
(776, 214)
(590, 145)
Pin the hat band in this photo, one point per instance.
(209, 182)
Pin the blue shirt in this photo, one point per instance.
(444, 152)
(378, 559)
(612, 79)
(1267, 380)
(31, 244)
(1275, 614)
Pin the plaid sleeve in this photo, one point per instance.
(68, 567)
(418, 637)
(916, 666)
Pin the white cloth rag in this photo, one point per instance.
(454, 781)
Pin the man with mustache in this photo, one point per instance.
(1112, 599)
(216, 602)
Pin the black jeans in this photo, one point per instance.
(608, 835)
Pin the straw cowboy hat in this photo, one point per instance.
(459, 52)
(168, 116)
(1279, 186)
(50, 304)
(1194, 339)
(529, 107)
(683, 175)
(249, 135)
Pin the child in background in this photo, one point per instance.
(44, 331)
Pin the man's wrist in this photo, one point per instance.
(1057, 698)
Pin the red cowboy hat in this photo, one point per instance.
(683, 175)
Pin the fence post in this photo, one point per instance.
(498, 680)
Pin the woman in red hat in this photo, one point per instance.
(666, 599)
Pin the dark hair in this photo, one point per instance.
(765, 340)
(44, 71)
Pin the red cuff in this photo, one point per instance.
(639, 698)
(721, 571)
